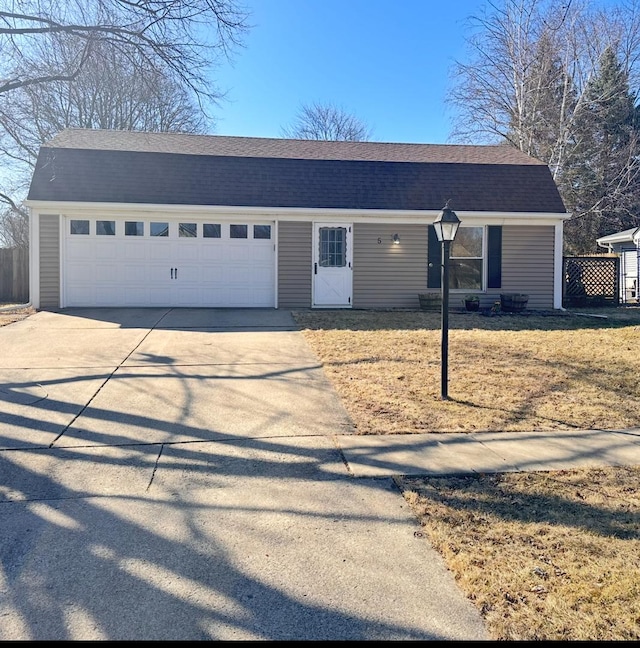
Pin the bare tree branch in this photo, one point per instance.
(318, 121)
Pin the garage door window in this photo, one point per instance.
(79, 227)
(238, 231)
(211, 230)
(105, 228)
(133, 228)
(159, 229)
(262, 231)
(188, 230)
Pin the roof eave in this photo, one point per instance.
(284, 212)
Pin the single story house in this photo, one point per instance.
(626, 245)
(141, 219)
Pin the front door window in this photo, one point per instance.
(333, 247)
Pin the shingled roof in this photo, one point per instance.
(183, 169)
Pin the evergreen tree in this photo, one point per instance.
(599, 180)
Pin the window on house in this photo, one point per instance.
(333, 247)
(159, 229)
(188, 230)
(262, 231)
(133, 228)
(238, 231)
(79, 227)
(211, 230)
(105, 228)
(467, 253)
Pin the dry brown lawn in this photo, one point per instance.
(9, 314)
(544, 556)
(506, 372)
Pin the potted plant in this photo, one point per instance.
(472, 302)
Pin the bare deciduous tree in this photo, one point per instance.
(180, 36)
(110, 93)
(14, 227)
(325, 121)
(527, 83)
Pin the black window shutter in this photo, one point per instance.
(434, 259)
(494, 260)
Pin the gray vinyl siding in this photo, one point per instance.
(386, 275)
(49, 261)
(528, 264)
(294, 264)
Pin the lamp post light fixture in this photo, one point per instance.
(446, 226)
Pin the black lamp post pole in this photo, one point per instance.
(446, 226)
(445, 320)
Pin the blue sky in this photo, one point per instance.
(388, 63)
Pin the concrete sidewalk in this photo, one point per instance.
(488, 452)
(171, 474)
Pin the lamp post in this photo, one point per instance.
(446, 226)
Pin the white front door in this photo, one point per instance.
(332, 260)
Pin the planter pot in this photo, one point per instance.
(472, 305)
(430, 301)
(513, 302)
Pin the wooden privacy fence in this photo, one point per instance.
(591, 281)
(14, 275)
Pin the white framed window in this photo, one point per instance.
(211, 230)
(332, 242)
(105, 228)
(467, 259)
(158, 229)
(262, 231)
(133, 228)
(238, 231)
(77, 226)
(188, 230)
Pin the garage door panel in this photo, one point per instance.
(159, 274)
(80, 251)
(136, 250)
(82, 272)
(187, 273)
(120, 270)
(105, 250)
(214, 273)
(78, 295)
(159, 296)
(189, 296)
(263, 254)
(160, 251)
(213, 251)
(186, 253)
(135, 296)
(105, 273)
(109, 295)
(238, 254)
(134, 273)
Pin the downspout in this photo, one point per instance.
(558, 278)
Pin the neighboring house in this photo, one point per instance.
(626, 245)
(148, 219)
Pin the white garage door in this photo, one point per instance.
(156, 262)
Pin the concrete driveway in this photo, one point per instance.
(174, 474)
